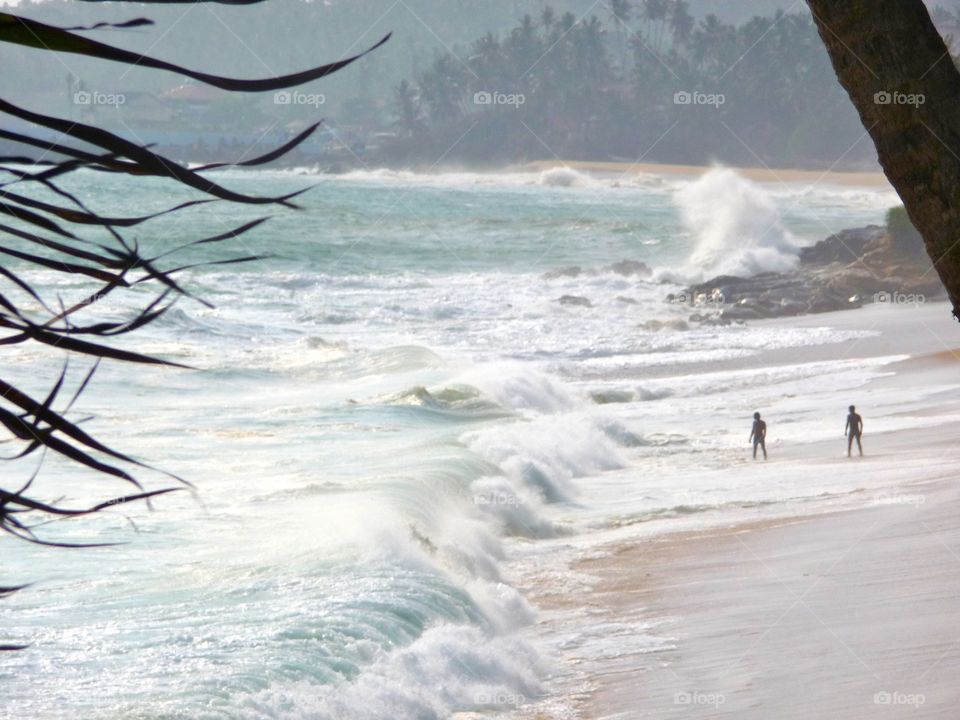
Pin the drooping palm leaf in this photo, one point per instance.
(31, 33)
(27, 238)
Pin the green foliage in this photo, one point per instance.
(606, 88)
(904, 235)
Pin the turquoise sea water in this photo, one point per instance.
(393, 417)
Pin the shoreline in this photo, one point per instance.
(859, 178)
(613, 170)
(795, 615)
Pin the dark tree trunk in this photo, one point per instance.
(892, 47)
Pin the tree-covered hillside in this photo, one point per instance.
(577, 79)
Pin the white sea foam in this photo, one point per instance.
(541, 456)
(561, 176)
(565, 177)
(823, 195)
(516, 387)
(448, 668)
(737, 226)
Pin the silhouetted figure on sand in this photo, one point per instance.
(758, 436)
(854, 429)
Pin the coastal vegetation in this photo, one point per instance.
(675, 81)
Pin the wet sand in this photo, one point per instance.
(851, 614)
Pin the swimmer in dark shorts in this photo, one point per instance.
(854, 429)
(759, 436)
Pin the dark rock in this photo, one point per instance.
(572, 271)
(657, 325)
(631, 267)
(790, 307)
(825, 301)
(606, 397)
(839, 273)
(844, 247)
(741, 312)
(575, 300)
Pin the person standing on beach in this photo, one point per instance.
(854, 429)
(759, 435)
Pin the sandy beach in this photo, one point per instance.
(757, 174)
(850, 614)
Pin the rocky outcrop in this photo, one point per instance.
(844, 271)
(845, 247)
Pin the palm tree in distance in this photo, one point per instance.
(409, 117)
(681, 22)
(621, 12)
(655, 13)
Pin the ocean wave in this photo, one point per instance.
(561, 176)
(543, 455)
(825, 195)
(520, 388)
(454, 400)
(565, 177)
(449, 668)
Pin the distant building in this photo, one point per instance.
(193, 102)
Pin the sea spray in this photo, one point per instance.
(565, 177)
(520, 388)
(737, 227)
